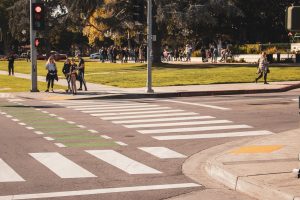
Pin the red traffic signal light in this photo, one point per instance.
(38, 42)
(38, 16)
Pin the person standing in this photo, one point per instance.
(73, 76)
(81, 69)
(66, 72)
(11, 62)
(52, 73)
(263, 68)
(203, 54)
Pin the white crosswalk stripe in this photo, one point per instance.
(178, 124)
(162, 152)
(117, 107)
(163, 119)
(193, 129)
(150, 116)
(106, 105)
(61, 166)
(125, 110)
(122, 162)
(213, 135)
(7, 174)
(136, 113)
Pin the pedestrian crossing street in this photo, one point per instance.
(63, 167)
(157, 121)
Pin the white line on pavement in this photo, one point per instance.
(162, 152)
(7, 174)
(121, 143)
(81, 126)
(46, 112)
(61, 118)
(108, 105)
(122, 162)
(117, 107)
(150, 116)
(9, 116)
(70, 122)
(193, 129)
(60, 145)
(124, 110)
(106, 137)
(39, 133)
(30, 128)
(162, 119)
(178, 124)
(15, 120)
(22, 124)
(61, 166)
(199, 104)
(99, 191)
(297, 100)
(213, 135)
(93, 131)
(53, 115)
(135, 113)
(49, 138)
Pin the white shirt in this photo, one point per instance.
(51, 67)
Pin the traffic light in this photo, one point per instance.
(139, 12)
(293, 18)
(38, 16)
(38, 42)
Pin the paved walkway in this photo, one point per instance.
(260, 168)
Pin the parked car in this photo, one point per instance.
(95, 56)
(58, 56)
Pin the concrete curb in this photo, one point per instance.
(242, 184)
(193, 93)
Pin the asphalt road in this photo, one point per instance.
(124, 149)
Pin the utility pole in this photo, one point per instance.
(33, 52)
(149, 47)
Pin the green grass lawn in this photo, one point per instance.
(134, 75)
(13, 84)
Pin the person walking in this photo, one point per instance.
(11, 62)
(81, 69)
(73, 76)
(66, 72)
(52, 73)
(263, 68)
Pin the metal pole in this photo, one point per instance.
(33, 52)
(149, 48)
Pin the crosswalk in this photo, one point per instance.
(162, 122)
(63, 167)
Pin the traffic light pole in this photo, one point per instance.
(149, 48)
(33, 52)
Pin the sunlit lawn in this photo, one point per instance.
(134, 75)
(13, 84)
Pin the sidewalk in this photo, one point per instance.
(103, 91)
(260, 168)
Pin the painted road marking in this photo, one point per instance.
(213, 135)
(15, 120)
(7, 174)
(39, 133)
(99, 191)
(61, 166)
(70, 122)
(163, 119)
(49, 138)
(122, 162)
(46, 112)
(22, 124)
(53, 115)
(125, 110)
(106, 137)
(121, 143)
(30, 128)
(106, 105)
(149, 116)
(178, 124)
(61, 118)
(257, 149)
(60, 145)
(193, 129)
(81, 126)
(116, 107)
(136, 113)
(162, 152)
(38, 109)
(199, 104)
(8, 116)
(297, 100)
(93, 131)
(16, 100)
